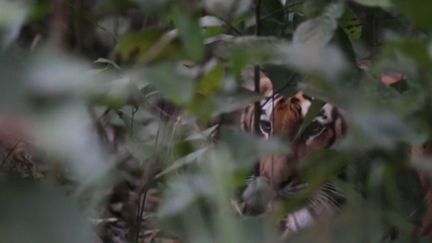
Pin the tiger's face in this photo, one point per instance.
(326, 128)
(286, 118)
(281, 116)
(247, 117)
(284, 115)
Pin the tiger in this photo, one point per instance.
(326, 128)
(298, 104)
(281, 115)
(247, 116)
(284, 116)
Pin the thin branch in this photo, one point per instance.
(59, 23)
(139, 215)
(258, 17)
(257, 69)
(257, 103)
(285, 86)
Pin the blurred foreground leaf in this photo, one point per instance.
(189, 31)
(319, 30)
(147, 46)
(12, 17)
(417, 11)
(37, 213)
(375, 3)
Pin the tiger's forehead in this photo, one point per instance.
(305, 102)
(268, 105)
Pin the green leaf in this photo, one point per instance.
(272, 20)
(313, 111)
(212, 80)
(284, 79)
(273, 8)
(145, 46)
(227, 8)
(319, 30)
(228, 103)
(322, 165)
(107, 61)
(374, 122)
(375, 3)
(323, 60)
(183, 191)
(40, 11)
(193, 157)
(415, 49)
(190, 32)
(342, 39)
(36, 212)
(351, 24)
(202, 135)
(118, 93)
(327, 62)
(12, 89)
(201, 106)
(417, 10)
(175, 86)
(257, 194)
(12, 17)
(150, 6)
(246, 153)
(141, 151)
(247, 49)
(313, 8)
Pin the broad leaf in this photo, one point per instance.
(147, 46)
(36, 212)
(351, 24)
(12, 17)
(172, 85)
(227, 8)
(319, 30)
(189, 31)
(375, 3)
(228, 103)
(193, 157)
(417, 10)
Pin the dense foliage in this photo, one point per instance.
(101, 82)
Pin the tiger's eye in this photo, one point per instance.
(265, 126)
(313, 129)
(316, 127)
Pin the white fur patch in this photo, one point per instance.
(299, 220)
(305, 105)
(326, 116)
(267, 110)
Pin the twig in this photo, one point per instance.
(258, 17)
(59, 23)
(287, 84)
(139, 215)
(257, 69)
(10, 153)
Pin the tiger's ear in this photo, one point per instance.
(266, 86)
